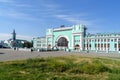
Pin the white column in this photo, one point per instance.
(46, 41)
(106, 44)
(117, 45)
(100, 44)
(97, 45)
(52, 41)
(81, 42)
(107, 48)
(72, 41)
(103, 45)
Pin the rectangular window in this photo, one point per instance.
(119, 46)
(98, 40)
(104, 40)
(105, 45)
(115, 40)
(95, 40)
(90, 40)
(101, 40)
(98, 45)
(95, 45)
(44, 45)
(119, 39)
(90, 45)
(108, 45)
(108, 40)
(115, 45)
(111, 40)
(38, 44)
(101, 45)
(87, 45)
(84, 45)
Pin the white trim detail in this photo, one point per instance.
(60, 29)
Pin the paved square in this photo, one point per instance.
(9, 54)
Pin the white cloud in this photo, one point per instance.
(24, 37)
(18, 10)
(23, 5)
(13, 10)
(16, 14)
(76, 19)
(4, 36)
(50, 6)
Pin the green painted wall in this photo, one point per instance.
(77, 40)
(65, 33)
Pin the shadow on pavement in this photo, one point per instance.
(2, 53)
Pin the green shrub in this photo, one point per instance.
(90, 68)
(61, 68)
(113, 77)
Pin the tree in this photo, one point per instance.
(28, 44)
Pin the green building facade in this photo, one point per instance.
(66, 37)
(39, 43)
(75, 38)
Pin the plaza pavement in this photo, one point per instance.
(10, 55)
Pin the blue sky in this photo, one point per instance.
(31, 18)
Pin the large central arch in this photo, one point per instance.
(62, 42)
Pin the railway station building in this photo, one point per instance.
(75, 38)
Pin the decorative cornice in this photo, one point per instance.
(62, 29)
(77, 33)
(100, 37)
(49, 35)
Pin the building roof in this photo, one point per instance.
(62, 28)
(103, 35)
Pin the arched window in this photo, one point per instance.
(77, 47)
(49, 46)
(62, 42)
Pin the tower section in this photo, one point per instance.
(78, 34)
(49, 38)
(13, 42)
(14, 35)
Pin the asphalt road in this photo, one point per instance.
(10, 55)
